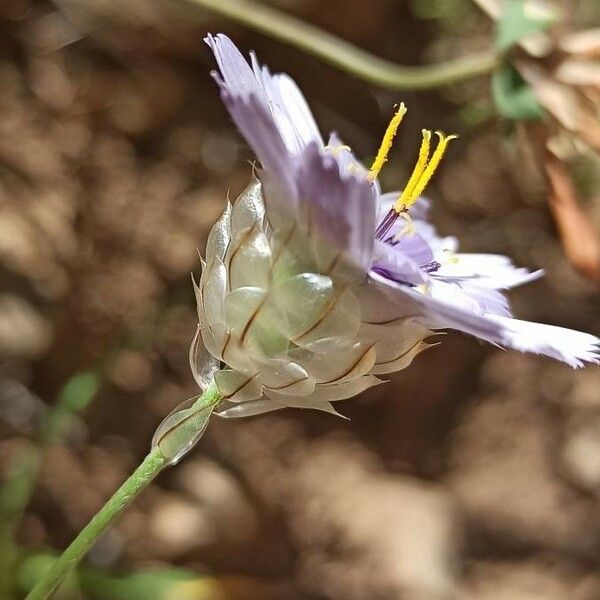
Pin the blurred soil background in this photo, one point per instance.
(475, 474)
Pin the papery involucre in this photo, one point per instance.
(290, 332)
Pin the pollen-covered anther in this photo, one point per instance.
(386, 142)
(424, 169)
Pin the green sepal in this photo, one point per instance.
(181, 430)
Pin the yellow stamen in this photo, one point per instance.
(433, 164)
(386, 142)
(406, 195)
(407, 200)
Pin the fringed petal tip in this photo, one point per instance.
(574, 348)
(234, 69)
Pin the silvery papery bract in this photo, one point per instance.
(315, 283)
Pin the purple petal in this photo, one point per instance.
(342, 208)
(237, 76)
(413, 246)
(262, 135)
(492, 271)
(469, 294)
(417, 213)
(277, 95)
(391, 262)
(571, 347)
(491, 302)
(420, 209)
(288, 108)
(344, 157)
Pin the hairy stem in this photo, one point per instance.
(346, 56)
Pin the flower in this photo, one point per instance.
(315, 282)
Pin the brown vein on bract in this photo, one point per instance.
(287, 385)
(326, 310)
(234, 253)
(388, 322)
(225, 345)
(391, 321)
(203, 283)
(284, 245)
(333, 264)
(309, 224)
(352, 367)
(252, 318)
(239, 389)
(179, 423)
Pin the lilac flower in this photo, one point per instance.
(315, 282)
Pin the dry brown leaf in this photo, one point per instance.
(574, 111)
(580, 240)
(582, 43)
(578, 71)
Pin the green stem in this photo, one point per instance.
(151, 466)
(346, 56)
(176, 435)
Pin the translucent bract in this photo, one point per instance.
(290, 317)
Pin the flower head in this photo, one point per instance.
(315, 282)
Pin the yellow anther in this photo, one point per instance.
(406, 195)
(427, 173)
(386, 142)
(433, 164)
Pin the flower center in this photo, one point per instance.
(422, 173)
(425, 167)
